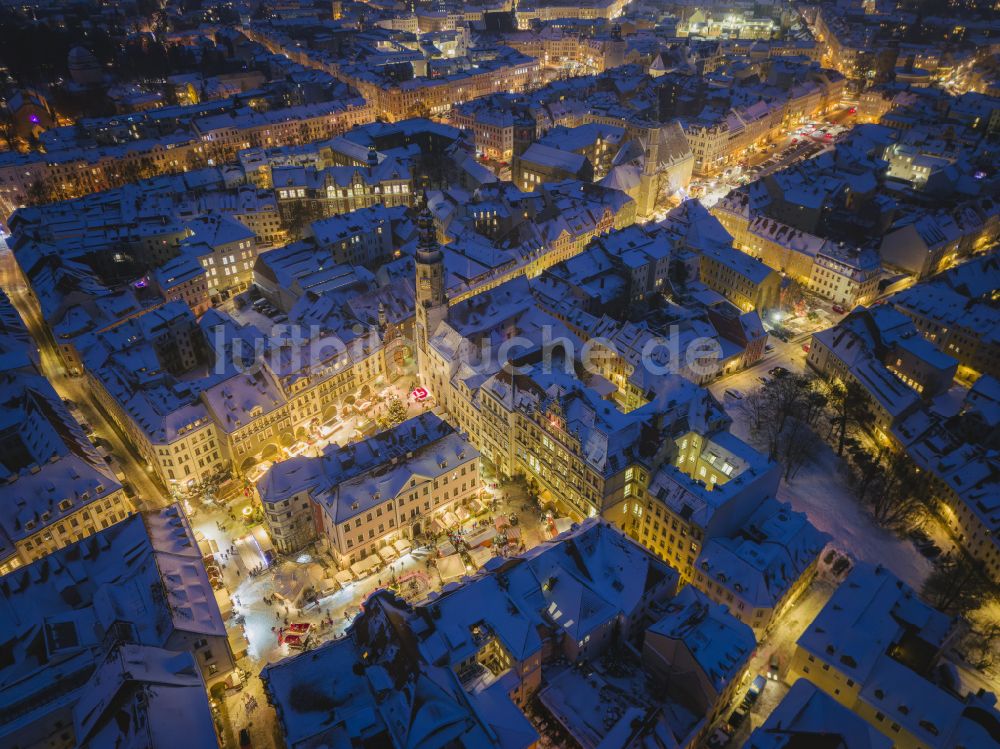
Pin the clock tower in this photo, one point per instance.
(432, 308)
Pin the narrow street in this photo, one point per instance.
(779, 641)
(789, 355)
(149, 494)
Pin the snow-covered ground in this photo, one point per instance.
(821, 491)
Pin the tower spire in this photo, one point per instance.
(428, 249)
(432, 306)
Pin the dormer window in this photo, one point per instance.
(65, 504)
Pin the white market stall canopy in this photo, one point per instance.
(451, 567)
(344, 577)
(484, 536)
(366, 565)
(403, 546)
(480, 556)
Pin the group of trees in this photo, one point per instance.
(791, 416)
(36, 53)
(889, 484)
(959, 584)
(784, 417)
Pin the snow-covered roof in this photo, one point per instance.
(697, 502)
(350, 480)
(49, 467)
(766, 556)
(395, 671)
(134, 699)
(876, 631)
(718, 642)
(805, 713)
(145, 571)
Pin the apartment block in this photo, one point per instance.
(364, 496)
(62, 491)
(874, 648)
(132, 602)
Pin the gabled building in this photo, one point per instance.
(698, 652)
(464, 664)
(226, 249)
(760, 569)
(58, 490)
(874, 649)
(398, 484)
(806, 716)
(128, 593)
(881, 350)
(709, 486)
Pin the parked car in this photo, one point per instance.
(806, 347)
(769, 348)
(736, 395)
(840, 566)
(839, 309)
(736, 719)
(245, 741)
(778, 372)
(773, 667)
(931, 551)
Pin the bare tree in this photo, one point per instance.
(756, 407)
(867, 470)
(40, 191)
(959, 584)
(797, 445)
(848, 406)
(901, 493)
(981, 643)
(299, 216)
(784, 414)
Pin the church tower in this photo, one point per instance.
(432, 308)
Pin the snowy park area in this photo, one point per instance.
(820, 490)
